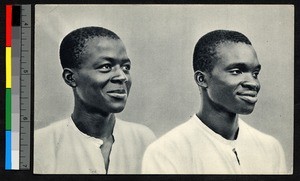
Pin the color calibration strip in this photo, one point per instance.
(8, 140)
(17, 114)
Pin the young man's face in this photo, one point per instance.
(103, 80)
(233, 84)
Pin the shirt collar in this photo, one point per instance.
(97, 141)
(213, 134)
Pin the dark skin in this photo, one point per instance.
(223, 124)
(230, 88)
(98, 125)
(101, 86)
(88, 123)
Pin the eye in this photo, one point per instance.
(235, 71)
(105, 67)
(255, 74)
(126, 67)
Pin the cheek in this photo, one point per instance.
(100, 82)
(223, 88)
(228, 82)
(128, 83)
(94, 87)
(220, 93)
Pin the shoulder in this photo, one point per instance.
(135, 127)
(134, 130)
(177, 138)
(259, 137)
(267, 146)
(167, 153)
(51, 131)
(45, 144)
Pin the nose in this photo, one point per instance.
(119, 76)
(251, 83)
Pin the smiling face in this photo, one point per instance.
(233, 83)
(102, 79)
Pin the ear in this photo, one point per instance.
(68, 76)
(200, 78)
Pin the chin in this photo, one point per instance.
(246, 111)
(117, 109)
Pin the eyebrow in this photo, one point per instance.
(242, 66)
(114, 60)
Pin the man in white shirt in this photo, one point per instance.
(93, 141)
(215, 140)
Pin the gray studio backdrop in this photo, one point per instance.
(160, 40)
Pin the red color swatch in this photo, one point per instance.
(8, 25)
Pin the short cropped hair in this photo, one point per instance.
(73, 44)
(205, 51)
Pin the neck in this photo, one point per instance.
(219, 120)
(93, 123)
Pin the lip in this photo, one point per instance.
(118, 93)
(248, 96)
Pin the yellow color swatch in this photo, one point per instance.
(8, 67)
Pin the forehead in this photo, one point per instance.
(99, 48)
(231, 52)
(103, 44)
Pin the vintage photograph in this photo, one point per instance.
(163, 89)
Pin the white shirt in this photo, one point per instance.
(193, 148)
(61, 148)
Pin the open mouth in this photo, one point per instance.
(119, 93)
(249, 96)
